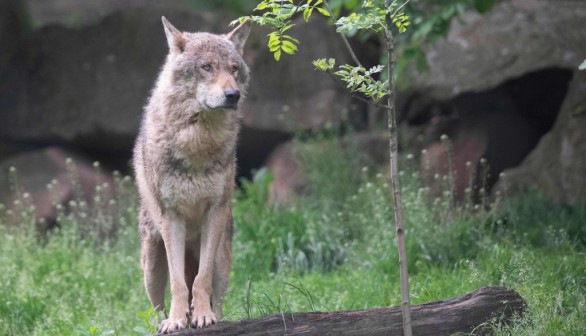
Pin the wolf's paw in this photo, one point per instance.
(203, 319)
(171, 325)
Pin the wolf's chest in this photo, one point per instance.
(183, 192)
(195, 167)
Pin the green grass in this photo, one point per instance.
(332, 250)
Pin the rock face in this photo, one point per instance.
(290, 95)
(74, 180)
(86, 87)
(13, 29)
(497, 84)
(558, 163)
(87, 83)
(501, 125)
(516, 37)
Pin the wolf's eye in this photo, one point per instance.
(234, 69)
(207, 67)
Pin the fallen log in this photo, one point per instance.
(462, 314)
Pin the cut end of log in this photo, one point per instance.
(461, 314)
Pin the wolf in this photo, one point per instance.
(184, 162)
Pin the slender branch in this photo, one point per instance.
(295, 10)
(346, 43)
(399, 9)
(370, 102)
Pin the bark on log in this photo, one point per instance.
(462, 314)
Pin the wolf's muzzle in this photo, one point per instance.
(232, 96)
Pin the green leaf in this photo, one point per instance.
(323, 11)
(274, 41)
(582, 66)
(290, 38)
(261, 6)
(274, 45)
(272, 36)
(289, 47)
(287, 27)
(323, 64)
(277, 55)
(307, 13)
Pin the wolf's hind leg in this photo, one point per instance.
(154, 263)
(221, 277)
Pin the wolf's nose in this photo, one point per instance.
(232, 96)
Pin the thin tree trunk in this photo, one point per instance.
(395, 183)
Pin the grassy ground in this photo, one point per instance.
(332, 250)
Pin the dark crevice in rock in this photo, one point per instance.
(503, 124)
(114, 151)
(254, 147)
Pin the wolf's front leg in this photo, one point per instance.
(173, 232)
(212, 231)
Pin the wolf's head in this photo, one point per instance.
(207, 67)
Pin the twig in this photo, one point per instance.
(399, 9)
(346, 43)
(295, 10)
(370, 102)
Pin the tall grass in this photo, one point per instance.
(332, 250)
(73, 279)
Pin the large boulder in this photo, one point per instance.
(47, 177)
(501, 125)
(496, 86)
(86, 86)
(13, 27)
(79, 13)
(83, 84)
(514, 38)
(290, 95)
(13, 30)
(87, 83)
(558, 163)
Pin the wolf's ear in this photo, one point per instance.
(239, 35)
(175, 38)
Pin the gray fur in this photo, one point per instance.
(184, 160)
